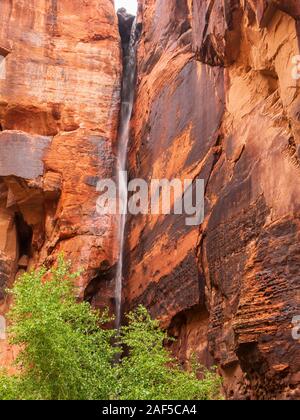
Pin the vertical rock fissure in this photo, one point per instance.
(129, 37)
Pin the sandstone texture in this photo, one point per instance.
(216, 100)
(59, 107)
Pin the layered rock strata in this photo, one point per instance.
(216, 100)
(59, 110)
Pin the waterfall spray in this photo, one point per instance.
(128, 89)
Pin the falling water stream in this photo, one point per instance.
(128, 89)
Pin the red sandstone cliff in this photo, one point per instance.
(59, 107)
(216, 100)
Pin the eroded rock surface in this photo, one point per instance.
(216, 100)
(59, 107)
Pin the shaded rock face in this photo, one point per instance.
(216, 100)
(59, 107)
(125, 24)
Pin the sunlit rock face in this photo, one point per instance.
(216, 100)
(59, 107)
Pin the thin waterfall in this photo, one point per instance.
(128, 90)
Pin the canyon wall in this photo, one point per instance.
(216, 100)
(59, 109)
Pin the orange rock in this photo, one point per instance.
(216, 100)
(59, 107)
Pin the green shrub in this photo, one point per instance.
(66, 354)
(148, 372)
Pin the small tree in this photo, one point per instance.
(66, 354)
(149, 372)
